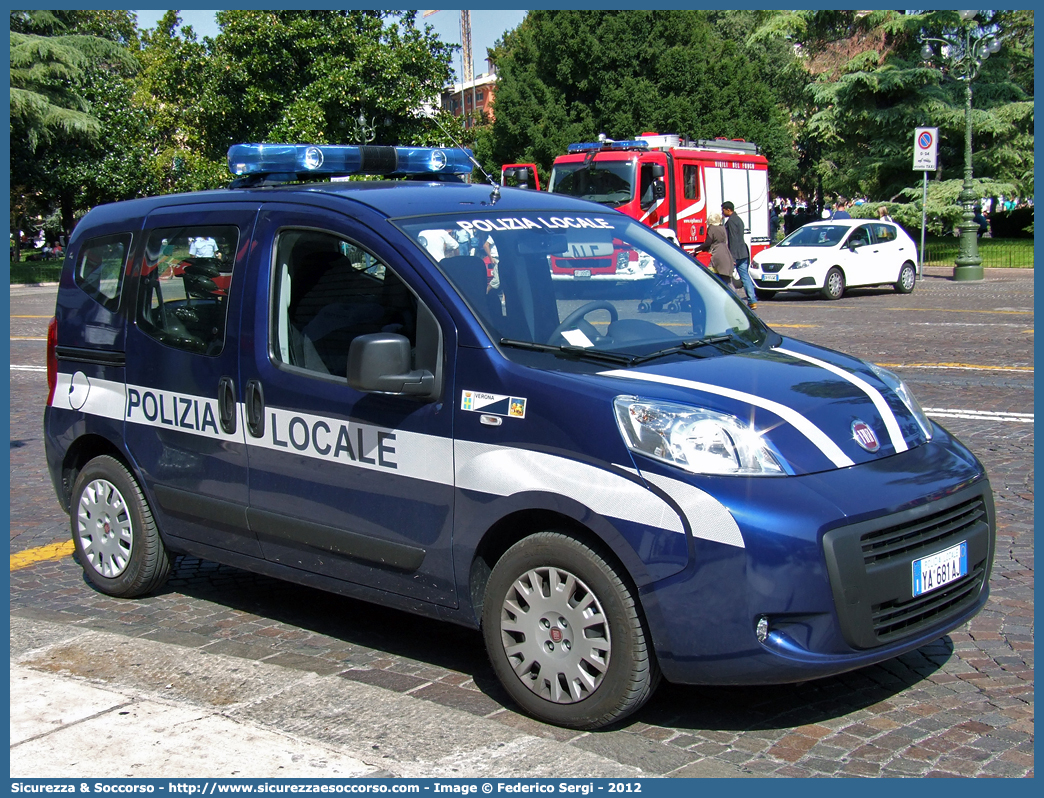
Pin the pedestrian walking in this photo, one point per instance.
(717, 244)
(738, 247)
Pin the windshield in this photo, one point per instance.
(593, 286)
(820, 235)
(610, 182)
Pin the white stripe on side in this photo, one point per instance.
(819, 438)
(505, 471)
(708, 518)
(887, 416)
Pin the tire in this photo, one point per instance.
(833, 284)
(907, 279)
(544, 587)
(117, 543)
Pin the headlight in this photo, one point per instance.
(698, 440)
(904, 393)
(802, 264)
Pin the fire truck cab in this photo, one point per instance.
(670, 184)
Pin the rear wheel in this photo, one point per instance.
(907, 279)
(564, 633)
(116, 539)
(834, 284)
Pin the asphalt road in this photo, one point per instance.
(368, 686)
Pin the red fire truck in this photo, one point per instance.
(670, 184)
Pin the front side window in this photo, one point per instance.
(100, 268)
(860, 236)
(328, 291)
(597, 287)
(690, 182)
(184, 284)
(819, 235)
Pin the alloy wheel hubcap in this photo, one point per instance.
(555, 635)
(104, 526)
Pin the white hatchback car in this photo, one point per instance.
(829, 256)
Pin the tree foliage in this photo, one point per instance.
(49, 64)
(566, 76)
(871, 90)
(101, 111)
(310, 75)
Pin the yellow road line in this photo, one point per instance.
(938, 310)
(52, 551)
(969, 366)
(32, 317)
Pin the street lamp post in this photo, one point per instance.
(965, 55)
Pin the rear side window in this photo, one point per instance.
(99, 271)
(184, 285)
(885, 232)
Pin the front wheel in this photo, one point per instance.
(565, 635)
(907, 279)
(116, 539)
(834, 284)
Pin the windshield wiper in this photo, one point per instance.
(686, 346)
(577, 351)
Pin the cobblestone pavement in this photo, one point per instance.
(962, 706)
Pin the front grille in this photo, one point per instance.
(931, 532)
(893, 619)
(870, 564)
(771, 267)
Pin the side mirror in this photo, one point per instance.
(658, 171)
(659, 190)
(380, 363)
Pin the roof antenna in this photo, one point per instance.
(429, 112)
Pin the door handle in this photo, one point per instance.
(227, 405)
(255, 408)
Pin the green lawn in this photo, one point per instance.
(1010, 253)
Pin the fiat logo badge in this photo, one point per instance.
(556, 634)
(864, 436)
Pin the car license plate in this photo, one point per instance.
(770, 278)
(581, 273)
(940, 569)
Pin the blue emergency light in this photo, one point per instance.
(343, 159)
(600, 146)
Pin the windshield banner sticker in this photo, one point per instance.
(493, 404)
(522, 223)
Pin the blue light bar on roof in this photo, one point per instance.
(343, 159)
(608, 145)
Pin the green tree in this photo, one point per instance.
(64, 66)
(174, 91)
(567, 76)
(289, 76)
(48, 66)
(871, 89)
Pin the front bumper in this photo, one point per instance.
(827, 561)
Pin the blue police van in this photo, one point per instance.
(375, 387)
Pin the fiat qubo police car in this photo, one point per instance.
(378, 388)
